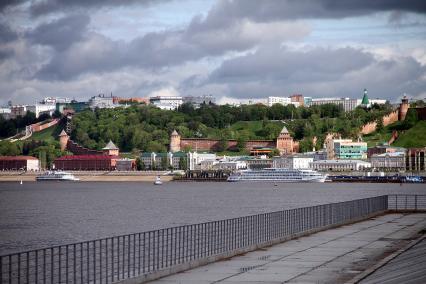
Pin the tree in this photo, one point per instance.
(139, 164)
(183, 163)
(222, 145)
(9, 149)
(379, 125)
(164, 162)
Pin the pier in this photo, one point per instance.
(246, 246)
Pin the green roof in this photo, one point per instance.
(365, 98)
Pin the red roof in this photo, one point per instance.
(16, 158)
(87, 157)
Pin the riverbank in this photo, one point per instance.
(92, 176)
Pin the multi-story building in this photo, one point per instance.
(350, 150)
(415, 159)
(125, 164)
(5, 112)
(345, 148)
(347, 104)
(292, 162)
(18, 110)
(73, 105)
(102, 101)
(195, 159)
(391, 161)
(166, 102)
(282, 101)
(39, 109)
(381, 149)
(197, 101)
(297, 98)
(162, 161)
(339, 165)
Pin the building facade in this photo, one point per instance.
(393, 161)
(415, 159)
(283, 101)
(347, 104)
(166, 102)
(197, 101)
(86, 163)
(340, 165)
(103, 101)
(15, 163)
(350, 150)
(292, 162)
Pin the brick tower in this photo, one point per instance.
(110, 149)
(63, 140)
(403, 108)
(174, 142)
(285, 142)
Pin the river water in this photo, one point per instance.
(41, 214)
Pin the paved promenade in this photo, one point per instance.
(331, 256)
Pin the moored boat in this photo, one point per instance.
(158, 181)
(278, 175)
(56, 175)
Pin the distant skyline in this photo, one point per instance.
(243, 49)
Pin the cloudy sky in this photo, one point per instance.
(236, 49)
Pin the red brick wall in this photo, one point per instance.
(79, 150)
(387, 119)
(36, 127)
(213, 144)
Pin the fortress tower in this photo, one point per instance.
(285, 142)
(63, 140)
(174, 142)
(110, 149)
(403, 108)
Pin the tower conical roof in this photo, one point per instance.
(284, 130)
(365, 98)
(175, 132)
(110, 146)
(63, 133)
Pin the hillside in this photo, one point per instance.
(413, 137)
(49, 134)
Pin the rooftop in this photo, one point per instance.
(87, 157)
(110, 146)
(16, 158)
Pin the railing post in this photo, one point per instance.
(415, 202)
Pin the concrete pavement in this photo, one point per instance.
(331, 256)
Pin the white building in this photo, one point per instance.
(339, 165)
(230, 165)
(346, 103)
(166, 102)
(292, 162)
(388, 161)
(195, 159)
(282, 101)
(5, 112)
(39, 109)
(102, 101)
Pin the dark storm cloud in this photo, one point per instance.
(319, 72)
(60, 33)
(51, 6)
(273, 10)
(285, 65)
(6, 33)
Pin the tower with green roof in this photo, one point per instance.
(364, 101)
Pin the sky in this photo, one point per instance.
(230, 49)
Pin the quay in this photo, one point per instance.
(332, 256)
(332, 243)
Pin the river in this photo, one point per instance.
(41, 214)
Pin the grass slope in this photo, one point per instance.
(49, 134)
(413, 137)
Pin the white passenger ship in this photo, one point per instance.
(278, 175)
(56, 175)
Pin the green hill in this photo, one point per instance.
(413, 137)
(49, 134)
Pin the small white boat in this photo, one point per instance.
(158, 181)
(56, 175)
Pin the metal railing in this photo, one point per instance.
(406, 202)
(113, 259)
